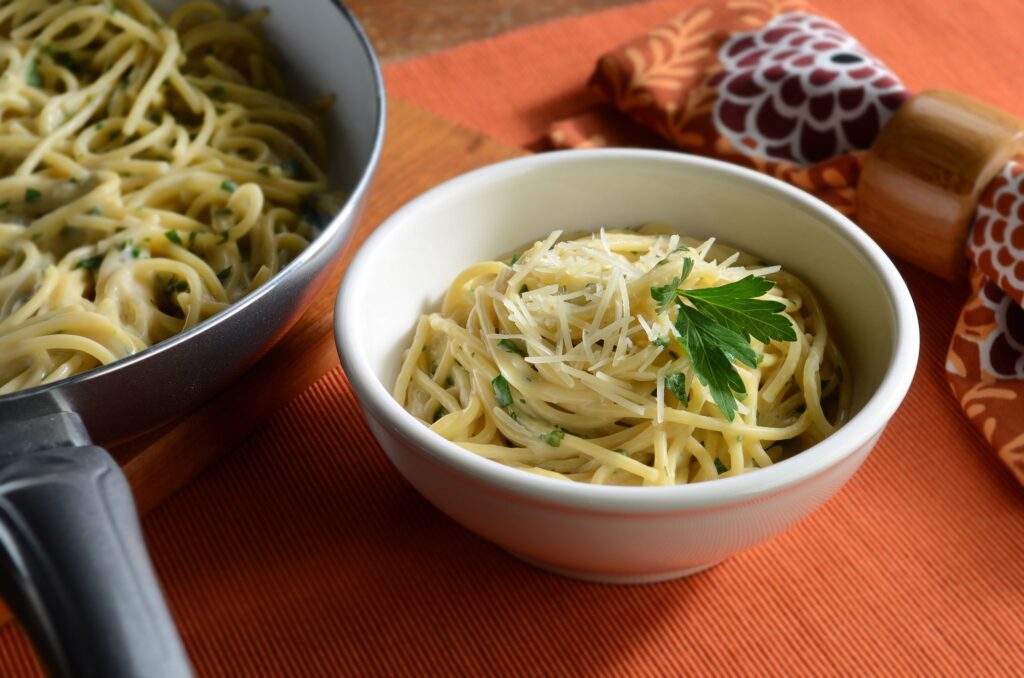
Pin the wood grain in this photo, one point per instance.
(925, 173)
(400, 29)
(420, 150)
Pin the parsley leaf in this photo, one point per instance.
(719, 466)
(32, 195)
(666, 294)
(502, 391)
(676, 382)
(716, 332)
(173, 236)
(512, 347)
(228, 186)
(736, 306)
(712, 349)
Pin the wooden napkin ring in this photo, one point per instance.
(924, 174)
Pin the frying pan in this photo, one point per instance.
(73, 566)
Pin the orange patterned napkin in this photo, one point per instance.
(769, 85)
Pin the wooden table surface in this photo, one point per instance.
(400, 29)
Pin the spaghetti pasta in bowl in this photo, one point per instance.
(580, 360)
(624, 422)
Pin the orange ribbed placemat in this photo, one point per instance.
(304, 552)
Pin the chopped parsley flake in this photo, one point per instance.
(719, 466)
(173, 285)
(502, 391)
(512, 347)
(95, 212)
(173, 236)
(676, 383)
(32, 76)
(554, 437)
(91, 264)
(67, 61)
(228, 186)
(32, 195)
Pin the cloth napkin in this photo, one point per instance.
(775, 87)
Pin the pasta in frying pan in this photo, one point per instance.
(154, 172)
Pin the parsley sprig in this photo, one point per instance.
(715, 328)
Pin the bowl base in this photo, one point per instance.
(617, 579)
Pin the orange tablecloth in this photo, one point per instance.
(304, 552)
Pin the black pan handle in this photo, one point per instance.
(73, 564)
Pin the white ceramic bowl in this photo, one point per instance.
(621, 534)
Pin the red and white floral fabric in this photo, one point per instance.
(802, 90)
(985, 364)
(769, 85)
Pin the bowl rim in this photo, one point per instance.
(872, 418)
